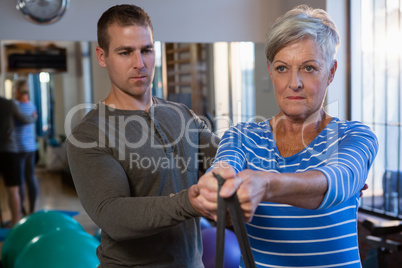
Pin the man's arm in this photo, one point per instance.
(208, 146)
(103, 188)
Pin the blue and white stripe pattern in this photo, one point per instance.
(287, 236)
(25, 133)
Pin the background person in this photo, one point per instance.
(135, 159)
(9, 111)
(299, 174)
(26, 145)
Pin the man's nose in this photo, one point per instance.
(138, 62)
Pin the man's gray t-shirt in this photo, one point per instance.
(131, 170)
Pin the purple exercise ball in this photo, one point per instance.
(205, 224)
(232, 252)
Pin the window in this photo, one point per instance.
(234, 84)
(157, 89)
(376, 97)
(43, 99)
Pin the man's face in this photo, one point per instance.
(131, 59)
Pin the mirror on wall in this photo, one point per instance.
(224, 83)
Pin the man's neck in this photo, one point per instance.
(143, 102)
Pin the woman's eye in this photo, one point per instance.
(281, 68)
(310, 68)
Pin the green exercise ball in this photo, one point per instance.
(63, 248)
(30, 227)
(97, 235)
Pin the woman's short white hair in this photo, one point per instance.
(299, 23)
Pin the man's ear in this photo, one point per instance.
(100, 54)
(332, 72)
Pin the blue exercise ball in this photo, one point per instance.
(204, 223)
(30, 227)
(62, 248)
(232, 252)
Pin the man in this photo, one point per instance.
(135, 159)
(9, 166)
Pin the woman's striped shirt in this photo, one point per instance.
(25, 133)
(286, 236)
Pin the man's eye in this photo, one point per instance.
(147, 51)
(124, 53)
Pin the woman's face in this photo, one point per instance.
(300, 77)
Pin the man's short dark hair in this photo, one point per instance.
(122, 15)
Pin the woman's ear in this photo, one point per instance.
(269, 69)
(332, 72)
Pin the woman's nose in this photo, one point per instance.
(295, 82)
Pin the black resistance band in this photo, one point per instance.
(233, 205)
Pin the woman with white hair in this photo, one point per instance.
(298, 175)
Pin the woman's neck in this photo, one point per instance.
(315, 122)
(292, 136)
(23, 98)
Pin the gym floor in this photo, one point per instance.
(53, 194)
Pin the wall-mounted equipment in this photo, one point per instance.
(27, 58)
